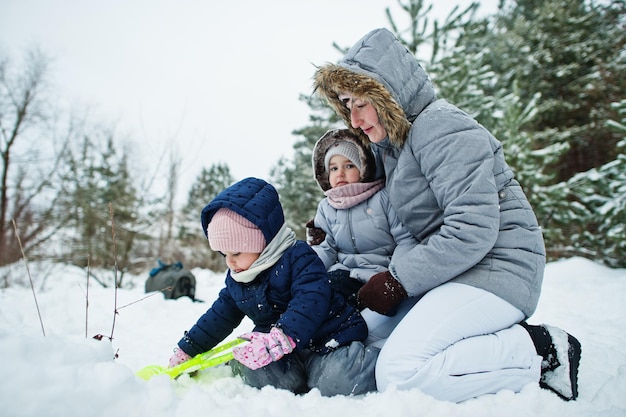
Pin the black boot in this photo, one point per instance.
(561, 357)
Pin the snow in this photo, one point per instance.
(68, 373)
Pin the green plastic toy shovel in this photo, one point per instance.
(216, 356)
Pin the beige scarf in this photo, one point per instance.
(284, 239)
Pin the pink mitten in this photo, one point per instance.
(264, 348)
(178, 357)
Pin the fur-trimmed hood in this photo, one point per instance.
(368, 172)
(397, 92)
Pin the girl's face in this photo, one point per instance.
(240, 261)
(363, 116)
(342, 171)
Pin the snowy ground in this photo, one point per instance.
(68, 373)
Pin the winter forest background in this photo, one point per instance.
(547, 77)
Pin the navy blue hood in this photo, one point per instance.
(252, 198)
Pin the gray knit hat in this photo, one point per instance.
(346, 149)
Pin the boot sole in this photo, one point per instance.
(574, 353)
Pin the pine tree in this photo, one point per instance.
(101, 201)
(463, 77)
(602, 193)
(571, 52)
(193, 243)
(118, 193)
(294, 180)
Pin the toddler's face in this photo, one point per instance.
(240, 261)
(342, 171)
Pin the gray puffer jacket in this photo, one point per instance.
(361, 239)
(446, 176)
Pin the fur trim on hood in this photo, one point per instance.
(382, 71)
(366, 157)
(332, 80)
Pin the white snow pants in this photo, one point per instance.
(455, 343)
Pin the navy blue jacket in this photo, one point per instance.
(293, 294)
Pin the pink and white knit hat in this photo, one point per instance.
(231, 232)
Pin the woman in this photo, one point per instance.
(465, 290)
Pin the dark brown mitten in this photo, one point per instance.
(382, 293)
(314, 235)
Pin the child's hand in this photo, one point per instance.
(264, 348)
(178, 357)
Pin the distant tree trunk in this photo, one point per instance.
(23, 110)
(166, 244)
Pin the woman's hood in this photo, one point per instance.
(330, 138)
(381, 70)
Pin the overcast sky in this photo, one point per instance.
(216, 81)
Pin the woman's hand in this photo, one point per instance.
(382, 293)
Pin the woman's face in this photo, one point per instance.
(363, 116)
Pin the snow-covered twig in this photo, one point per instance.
(116, 267)
(87, 297)
(32, 287)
